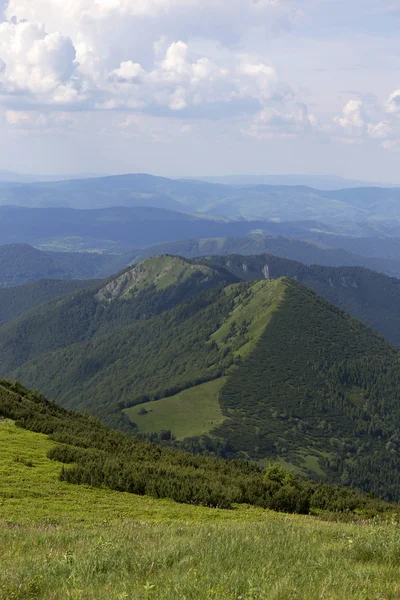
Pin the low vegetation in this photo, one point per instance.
(87, 543)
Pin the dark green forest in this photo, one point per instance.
(16, 301)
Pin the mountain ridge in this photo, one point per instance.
(296, 378)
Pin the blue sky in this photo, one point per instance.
(196, 87)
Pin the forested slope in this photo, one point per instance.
(303, 382)
(371, 297)
(16, 301)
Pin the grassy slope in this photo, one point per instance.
(190, 413)
(63, 541)
(255, 311)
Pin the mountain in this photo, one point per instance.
(16, 301)
(137, 294)
(119, 230)
(257, 370)
(352, 208)
(320, 182)
(21, 263)
(12, 177)
(371, 297)
(306, 251)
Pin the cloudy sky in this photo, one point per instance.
(197, 87)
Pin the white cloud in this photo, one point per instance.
(354, 119)
(150, 19)
(36, 63)
(357, 125)
(28, 121)
(138, 56)
(183, 82)
(393, 102)
(291, 120)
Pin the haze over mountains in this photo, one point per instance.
(377, 208)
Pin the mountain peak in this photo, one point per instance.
(162, 271)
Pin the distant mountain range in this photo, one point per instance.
(12, 177)
(118, 230)
(22, 263)
(320, 182)
(346, 210)
(254, 369)
(307, 251)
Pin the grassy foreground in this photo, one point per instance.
(59, 541)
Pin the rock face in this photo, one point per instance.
(121, 285)
(159, 271)
(266, 272)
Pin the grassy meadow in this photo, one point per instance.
(189, 413)
(59, 541)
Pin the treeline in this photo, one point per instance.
(94, 455)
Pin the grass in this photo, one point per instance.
(59, 541)
(190, 413)
(256, 311)
(162, 271)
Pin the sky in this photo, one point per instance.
(201, 87)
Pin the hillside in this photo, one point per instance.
(58, 539)
(21, 263)
(309, 252)
(138, 294)
(279, 371)
(16, 301)
(371, 297)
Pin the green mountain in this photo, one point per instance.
(257, 370)
(21, 263)
(371, 297)
(16, 301)
(307, 251)
(137, 294)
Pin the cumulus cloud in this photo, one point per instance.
(35, 63)
(138, 56)
(183, 82)
(356, 125)
(393, 102)
(291, 120)
(68, 59)
(150, 19)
